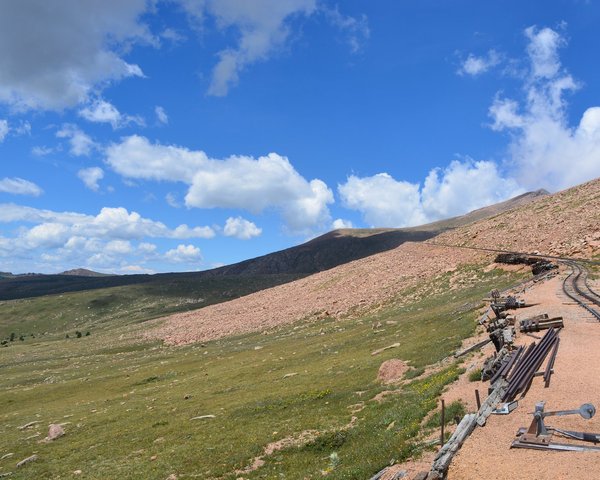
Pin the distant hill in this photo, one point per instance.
(322, 253)
(84, 272)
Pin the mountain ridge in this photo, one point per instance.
(322, 253)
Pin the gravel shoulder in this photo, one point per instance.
(487, 453)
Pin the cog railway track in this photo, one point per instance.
(576, 287)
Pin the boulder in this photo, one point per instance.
(391, 371)
(54, 431)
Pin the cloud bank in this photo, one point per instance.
(107, 240)
(240, 182)
(544, 150)
(53, 54)
(461, 187)
(19, 186)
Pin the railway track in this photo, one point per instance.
(575, 285)
(577, 288)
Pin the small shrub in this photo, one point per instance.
(414, 373)
(78, 333)
(154, 378)
(455, 409)
(87, 334)
(475, 375)
(328, 441)
(67, 336)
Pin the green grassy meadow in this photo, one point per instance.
(128, 408)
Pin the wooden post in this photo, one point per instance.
(477, 399)
(443, 421)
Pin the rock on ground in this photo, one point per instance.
(391, 371)
(54, 431)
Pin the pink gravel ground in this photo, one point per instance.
(487, 454)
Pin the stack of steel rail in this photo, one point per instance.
(507, 364)
(519, 374)
(540, 322)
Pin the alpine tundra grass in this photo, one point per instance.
(135, 410)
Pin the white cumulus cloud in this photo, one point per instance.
(461, 187)
(80, 143)
(172, 201)
(184, 253)
(474, 65)
(91, 176)
(243, 182)
(19, 186)
(161, 115)
(3, 130)
(101, 111)
(383, 201)
(241, 228)
(340, 223)
(545, 150)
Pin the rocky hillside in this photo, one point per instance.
(351, 288)
(566, 223)
(563, 223)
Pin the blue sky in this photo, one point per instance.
(148, 136)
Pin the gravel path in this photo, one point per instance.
(487, 453)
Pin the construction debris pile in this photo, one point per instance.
(510, 370)
(501, 331)
(518, 365)
(540, 322)
(528, 365)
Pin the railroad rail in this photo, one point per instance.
(576, 287)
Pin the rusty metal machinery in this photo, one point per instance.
(539, 436)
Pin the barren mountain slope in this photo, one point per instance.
(564, 223)
(355, 286)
